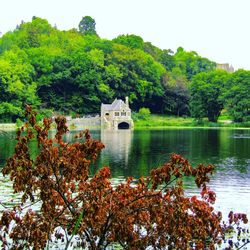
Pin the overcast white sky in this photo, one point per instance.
(216, 29)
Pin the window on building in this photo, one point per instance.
(117, 114)
(123, 113)
(107, 114)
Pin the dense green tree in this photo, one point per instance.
(31, 34)
(67, 71)
(77, 83)
(87, 26)
(176, 100)
(131, 41)
(141, 77)
(206, 92)
(237, 96)
(55, 93)
(154, 51)
(166, 58)
(191, 63)
(16, 85)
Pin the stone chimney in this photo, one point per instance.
(126, 101)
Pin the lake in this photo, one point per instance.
(135, 153)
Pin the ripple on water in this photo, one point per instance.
(232, 186)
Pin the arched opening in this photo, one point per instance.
(123, 125)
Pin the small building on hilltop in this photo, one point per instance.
(225, 66)
(116, 115)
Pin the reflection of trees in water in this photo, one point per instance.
(203, 145)
(234, 166)
(234, 151)
(135, 153)
(7, 145)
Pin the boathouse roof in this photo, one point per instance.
(117, 104)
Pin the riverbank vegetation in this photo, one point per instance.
(163, 121)
(72, 72)
(151, 211)
(144, 119)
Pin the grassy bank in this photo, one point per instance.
(161, 121)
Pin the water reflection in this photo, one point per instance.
(7, 144)
(228, 150)
(117, 149)
(135, 153)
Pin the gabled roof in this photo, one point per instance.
(117, 104)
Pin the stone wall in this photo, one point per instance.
(85, 122)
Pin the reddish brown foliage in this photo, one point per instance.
(154, 212)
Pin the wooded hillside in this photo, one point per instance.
(74, 71)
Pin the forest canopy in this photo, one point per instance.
(74, 71)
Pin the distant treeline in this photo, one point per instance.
(74, 71)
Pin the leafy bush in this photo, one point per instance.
(19, 123)
(144, 113)
(44, 113)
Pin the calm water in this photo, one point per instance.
(135, 153)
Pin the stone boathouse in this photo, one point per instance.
(116, 115)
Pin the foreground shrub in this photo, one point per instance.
(149, 212)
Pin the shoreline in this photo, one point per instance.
(151, 122)
(13, 127)
(8, 126)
